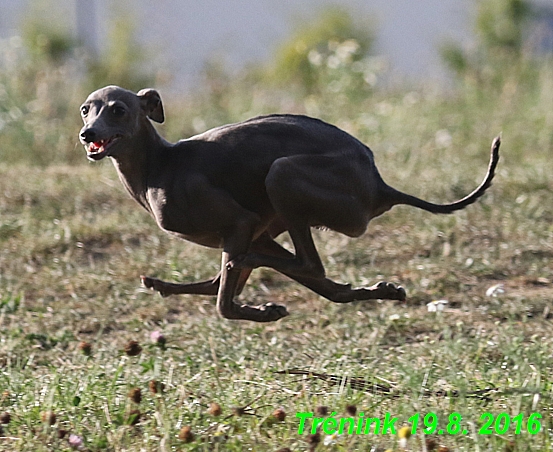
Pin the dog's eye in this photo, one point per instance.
(118, 111)
(84, 110)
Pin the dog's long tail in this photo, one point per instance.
(403, 198)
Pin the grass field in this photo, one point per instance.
(73, 245)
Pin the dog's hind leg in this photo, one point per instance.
(331, 290)
(305, 191)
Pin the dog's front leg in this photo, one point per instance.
(209, 287)
(230, 280)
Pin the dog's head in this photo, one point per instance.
(113, 116)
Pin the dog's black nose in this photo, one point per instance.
(88, 135)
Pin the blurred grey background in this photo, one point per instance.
(181, 35)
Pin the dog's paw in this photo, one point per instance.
(147, 282)
(155, 284)
(401, 293)
(275, 311)
(389, 291)
(268, 312)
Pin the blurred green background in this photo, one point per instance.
(327, 67)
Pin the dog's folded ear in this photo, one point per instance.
(150, 101)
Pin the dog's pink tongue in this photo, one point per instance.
(98, 144)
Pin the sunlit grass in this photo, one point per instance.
(73, 244)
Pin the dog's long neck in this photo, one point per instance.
(135, 165)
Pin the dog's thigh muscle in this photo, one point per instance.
(320, 191)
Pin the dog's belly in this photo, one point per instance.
(183, 228)
(208, 240)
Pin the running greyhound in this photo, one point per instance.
(239, 186)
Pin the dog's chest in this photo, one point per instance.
(177, 219)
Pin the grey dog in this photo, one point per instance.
(239, 186)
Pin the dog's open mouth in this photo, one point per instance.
(100, 149)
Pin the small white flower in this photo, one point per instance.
(333, 62)
(221, 434)
(436, 305)
(347, 49)
(315, 58)
(331, 439)
(495, 290)
(394, 317)
(443, 139)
